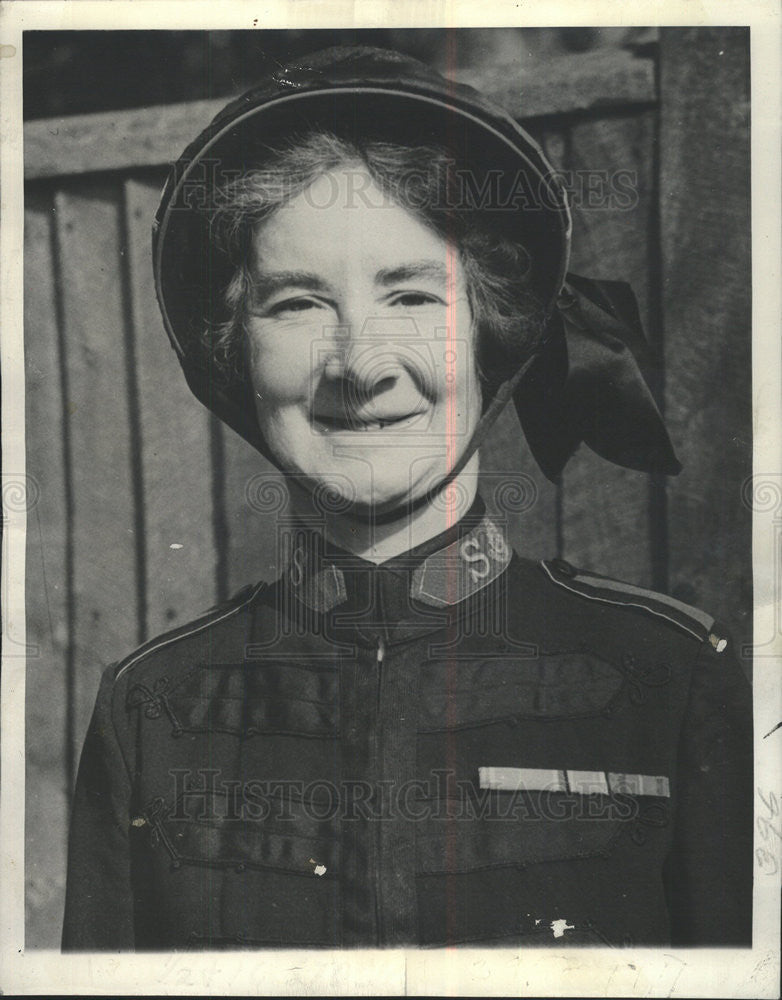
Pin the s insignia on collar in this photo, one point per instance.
(462, 568)
(446, 577)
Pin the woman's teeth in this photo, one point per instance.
(362, 425)
(374, 425)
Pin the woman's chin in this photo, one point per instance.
(371, 501)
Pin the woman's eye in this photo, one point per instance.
(413, 299)
(292, 306)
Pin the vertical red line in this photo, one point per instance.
(451, 506)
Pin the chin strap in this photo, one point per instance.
(585, 384)
(485, 424)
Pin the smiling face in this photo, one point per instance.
(360, 344)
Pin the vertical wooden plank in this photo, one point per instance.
(516, 491)
(605, 508)
(254, 499)
(705, 222)
(175, 475)
(97, 409)
(46, 716)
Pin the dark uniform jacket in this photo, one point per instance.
(459, 746)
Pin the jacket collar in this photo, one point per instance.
(440, 573)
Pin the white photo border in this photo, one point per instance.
(463, 971)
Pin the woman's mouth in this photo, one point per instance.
(341, 423)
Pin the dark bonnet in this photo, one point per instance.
(583, 385)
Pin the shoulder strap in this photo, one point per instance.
(698, 623)
(217, 614)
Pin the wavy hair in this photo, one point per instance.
(509, 317)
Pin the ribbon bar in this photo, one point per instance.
(531, 779)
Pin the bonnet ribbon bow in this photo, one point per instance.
(586, 384)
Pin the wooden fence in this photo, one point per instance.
(142, 519)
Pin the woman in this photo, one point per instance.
(414, 736)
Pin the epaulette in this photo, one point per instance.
(602, 588)
(216, 614)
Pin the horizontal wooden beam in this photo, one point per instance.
(151, 136)
(603, 78)
(113, 140)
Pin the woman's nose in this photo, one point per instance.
(379, 362)
(365, 351)
(368, 369)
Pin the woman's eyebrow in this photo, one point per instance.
(432, 269)
(265, 283)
